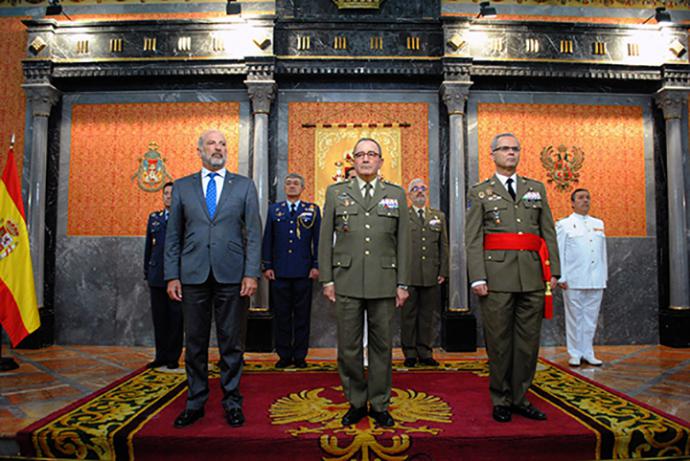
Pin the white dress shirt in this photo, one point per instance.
(582, 250)
(220, 180)
(362, 184)
(504, 179)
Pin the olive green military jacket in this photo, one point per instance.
(370, 255)
(428, 248)
(492, 210)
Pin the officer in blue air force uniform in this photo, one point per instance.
(290, 262)
(167, 314)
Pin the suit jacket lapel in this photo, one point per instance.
(354, 192)
(199, 188)
(521, 188)
(501, 190)
(379, 193)
(225, 193)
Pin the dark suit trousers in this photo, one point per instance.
(291, 302)
(201, 303)
(376, 387)
(512, 327)
(167, 326)
(417, 335)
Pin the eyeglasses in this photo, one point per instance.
(505, 149)
(370, 154)
(418, 189)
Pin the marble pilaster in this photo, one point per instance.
(261, 93)
(41, 97)
(455, 97)
(671, 103)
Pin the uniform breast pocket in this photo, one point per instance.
(389, 218)
(495, 212)
(533, 210)
(345, 217)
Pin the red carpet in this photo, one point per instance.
(440, 415)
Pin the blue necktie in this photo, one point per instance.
(211, 195)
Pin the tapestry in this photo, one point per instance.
(111, 145)
(13, 107)
(309, 122)
(333, 148)
(569, 146)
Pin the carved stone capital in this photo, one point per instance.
(42, 97)
(455, 96)
(261, 94)
(671, 102)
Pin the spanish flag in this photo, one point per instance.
(18, 308)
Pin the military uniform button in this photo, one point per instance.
(366, 213)
(423, 228)
(516, 205)
(367, 239)
(423, 239)
(489, 257)
(338, 263)
(519, 220)
(520, 233)
(389, 214)
(366, 252)
(292, 222)
(291, 231)
(289, 251)
(423, 257)
(367, 226)
(423, 248)
(495, 208)
(393, 265)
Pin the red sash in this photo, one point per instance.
(528, 242)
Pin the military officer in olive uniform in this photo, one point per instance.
(167, 314)
(508, 221)
(365, 269)
(290, 262)
(429, 269)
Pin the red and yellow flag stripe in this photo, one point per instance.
(18, 307)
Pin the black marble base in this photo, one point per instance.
(674, 328)
(459, 332)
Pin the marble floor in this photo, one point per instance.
(51, 378)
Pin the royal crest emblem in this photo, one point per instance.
(341, 166)
(562, 166)
(151, 175)
(9, 231)
(319, 411)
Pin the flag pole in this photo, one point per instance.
(7, 363)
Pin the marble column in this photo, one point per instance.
(261, 94)
(671, 103)
(455, 96)
(41, 98)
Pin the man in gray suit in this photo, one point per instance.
(212, 262)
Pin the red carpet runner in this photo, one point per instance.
(295, 415)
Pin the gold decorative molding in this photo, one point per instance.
(262, 43)
(82, 46)
(455, 42)
(37, 45)
(149, 44)
(599, 48)
(376, 43)
(566, 46)
(303, 42)
(413, 43)
(677, 48)
(340, 42)
(358, 4)
(633, 49)
(531, 45)
(184, 44)
(115, 45)
(218, 44)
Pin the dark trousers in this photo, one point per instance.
(291, 303)
(167, 326)
(512, 327)
(417, 334)
(201, 303)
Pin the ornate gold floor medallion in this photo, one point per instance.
(310, 412)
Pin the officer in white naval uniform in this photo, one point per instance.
(582, 250)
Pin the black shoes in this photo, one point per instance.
(234, 417)
(429, 362)
(382, 418)
(155, 364)
(354, 415)
(188, 417)
(410, 363)
(502, 413)
(283, 363)
(529, 411)
(172, 366)
(301, 363)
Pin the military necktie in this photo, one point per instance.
(420, 212)
(367, 194)
(292, 209)
(211, 194)
(509, 186)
